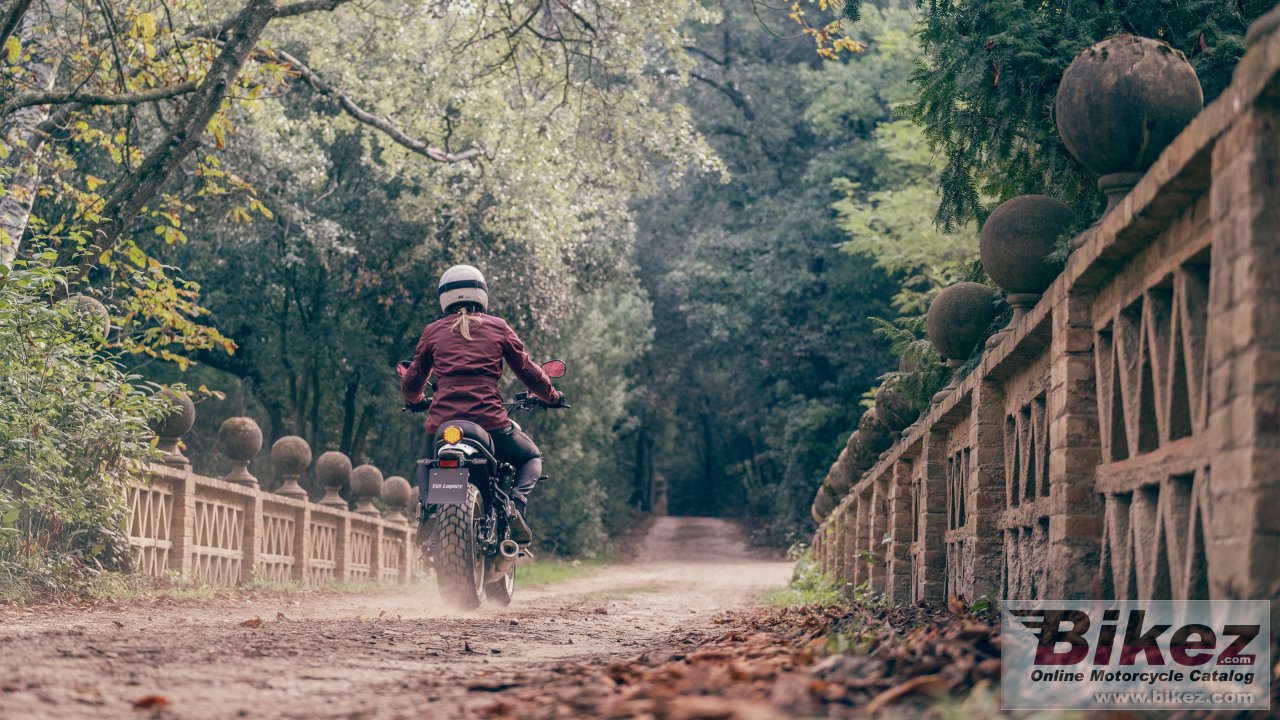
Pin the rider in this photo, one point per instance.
(465, 351)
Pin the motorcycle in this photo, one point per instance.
(466, 532)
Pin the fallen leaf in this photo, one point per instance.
(923, 683)
(253, 623)
(280, 616)
(149, 702)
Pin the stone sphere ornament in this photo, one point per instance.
(291, 455)
(240, 439)
(1018, 244)
(366, 484)
(177, 421)
(894, 408)
(1120, 103)
(333, 470)
(91, 312)
(396, 494)
(956, 321)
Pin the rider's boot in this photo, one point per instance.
(520, 531)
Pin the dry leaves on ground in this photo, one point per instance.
(776, 664)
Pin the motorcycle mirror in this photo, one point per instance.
(402, 367)
(554, 368)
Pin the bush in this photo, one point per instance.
(70, 420)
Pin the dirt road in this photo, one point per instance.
(394, 655)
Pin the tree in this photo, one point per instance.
(762, 340)
(991, 70)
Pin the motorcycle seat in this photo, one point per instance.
(469, 430)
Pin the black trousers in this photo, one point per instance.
(511, 446)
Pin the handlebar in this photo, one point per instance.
(527, 401)
(523, 401)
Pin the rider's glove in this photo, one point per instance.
(558, 399)
(420, 406)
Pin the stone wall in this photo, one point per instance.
(1122, 439)
(227, 531)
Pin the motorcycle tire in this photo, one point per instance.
(460, 563)
(500, 591)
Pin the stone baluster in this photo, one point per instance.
(291, 455)
(366, 484)
(175, 423)
(1120, 102)
(1018, 241)
(333, 470)
(396, 494)
(240, 439)
(957, 318)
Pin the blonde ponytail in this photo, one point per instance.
(462, 324)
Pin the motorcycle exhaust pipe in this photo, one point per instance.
(508, 552)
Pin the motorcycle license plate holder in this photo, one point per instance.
(448, 486)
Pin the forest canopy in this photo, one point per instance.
(701, 210)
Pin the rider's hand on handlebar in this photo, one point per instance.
(558, 400)
(418, 407)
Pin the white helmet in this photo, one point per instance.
(463, 285)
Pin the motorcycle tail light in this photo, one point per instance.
(448, 463)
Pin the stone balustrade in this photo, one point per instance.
(1120, 439)
(226, 531)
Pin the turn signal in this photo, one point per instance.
(452, 434)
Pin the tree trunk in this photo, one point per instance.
(20, 129)
(125, 202)
(362, 431)
(349, 412)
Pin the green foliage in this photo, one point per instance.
(888, 226)
(809, 586)
(991, 72)
(762, 343)
(70, 423)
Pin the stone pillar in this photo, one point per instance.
(931, 516)
(183, 523)
(291, 455)
(1242, 526)
(302, 545)
(898, 583)
(251, 543)
(240, 439)
(1075, 450)
(366, 484)
(986, 487)
(879, 528)
(342, 549)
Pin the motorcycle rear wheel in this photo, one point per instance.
(460, 563)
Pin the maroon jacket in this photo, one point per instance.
(467, 371)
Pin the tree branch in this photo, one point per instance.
(213, 30)
(12, 16)
(361, 115)
(734, 96)
(122, 207)
(83, 99)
